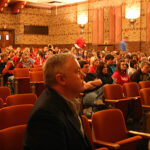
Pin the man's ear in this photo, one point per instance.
(60, 79)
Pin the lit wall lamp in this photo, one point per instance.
(82, 20)
(132, 13)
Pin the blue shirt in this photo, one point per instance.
(123, 45)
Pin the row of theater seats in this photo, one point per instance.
(13, 121)
(13, 118)
(27, 81)
(6, 99)
(131, 100)
(108, 129)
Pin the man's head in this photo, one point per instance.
(84, 66)
(134, 64)
(109, 59)
(145, 66)
(62, 73)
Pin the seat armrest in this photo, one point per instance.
(111, 101)
(146, 107)
(136, 97)
(144, 135)
(106, 144)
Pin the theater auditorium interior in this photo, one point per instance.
(111, 42)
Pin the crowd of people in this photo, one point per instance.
(99, 67)
(68, 72)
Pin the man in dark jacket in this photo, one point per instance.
(141, 74)
(54, 122)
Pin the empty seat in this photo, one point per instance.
(144, 84)
(21, 80)
(12, 138)
(1, 103)
(14, 115)
(37, 82)
(21, 72)
(87, 129)
(131, 89)
(145, 96)
(4, 92)
(113, 94)
(109, 128)
(19, 99)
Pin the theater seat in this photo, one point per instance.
(144, 84)
(87, 129)
(1, 103)
(131, 89)
(19, 99)
(37, 82)
(14, 115)
(21, 80)
(113, 94)
(12, 138)
(4, 92)
(109, 126)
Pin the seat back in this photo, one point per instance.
(87, 129)
(21, 72)
(14, 115)
(12, 138)
(36, 76)
(113, 91)
(144, 84)
(4, 92)
(131, 89)
(1, 103)
(36, 69)
(19, 99)
(109, 125)
(145, 96)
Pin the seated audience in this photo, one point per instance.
(39, 60)
(120, 76)
(93, 94)
(24, 62)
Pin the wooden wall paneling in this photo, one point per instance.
(101, 26)
(118, 24)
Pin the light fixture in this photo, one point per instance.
(132, 12)
(82, 20)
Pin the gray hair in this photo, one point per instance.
(143, 63)
(55, 64)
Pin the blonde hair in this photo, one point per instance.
(93, 59)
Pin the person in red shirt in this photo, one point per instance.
(120, 75)
(80, 42)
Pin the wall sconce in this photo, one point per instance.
(82, 20)
(132, 13)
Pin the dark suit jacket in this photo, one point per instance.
(52, 126)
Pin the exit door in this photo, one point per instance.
(6, 38)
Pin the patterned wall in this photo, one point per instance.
(63, 27)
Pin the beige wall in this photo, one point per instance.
(63, 28)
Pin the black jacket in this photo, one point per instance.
(52, 126)
(138, 76)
